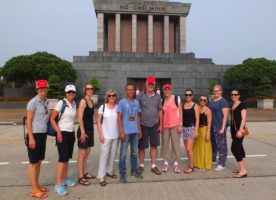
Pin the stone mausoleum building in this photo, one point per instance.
(137, 38)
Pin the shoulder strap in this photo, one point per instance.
(86, 101)
(194, 105)
(103, 113)
(233, 119)
(24, 126)
(176, 100)
(64, 105)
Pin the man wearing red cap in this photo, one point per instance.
(151, 116)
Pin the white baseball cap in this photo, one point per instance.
(70, 88)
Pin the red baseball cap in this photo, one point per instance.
(151, 79)
(41, 83)
(167, 86)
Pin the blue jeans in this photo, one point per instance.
(133, 140)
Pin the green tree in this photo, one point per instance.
(96, 83)
(263, 90)
(248, 75)
(55, 87)
(26, 69)
(211, 85)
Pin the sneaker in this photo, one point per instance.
(176, 168)
(219, 168)
(123, 179)
(165, 167)
(141, 170)
(68, 182)
(61, 190)
(156, 171)
(136, 175)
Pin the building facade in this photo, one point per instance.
(137, 38)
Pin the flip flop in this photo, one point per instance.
(111, 175)
(103, 183)
(189, 170)
(44, 189)
(236, 171)
(89, 176)
(39, 195)
(240, 175)
(83, 181)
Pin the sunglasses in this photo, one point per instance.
(111, 95)
(234, 94)
(89, 89)
(188, 95)
(203, 100)
(46, 110)
(71, 92)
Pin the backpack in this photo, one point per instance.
(50, 130)
(175, 101)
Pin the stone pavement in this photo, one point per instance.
(260, 147)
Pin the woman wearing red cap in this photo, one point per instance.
(172, 127)
(37, 118)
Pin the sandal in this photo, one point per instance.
(236, 171)
(89, 176)
(189, 170)
(103, 183)
(111, 175)
(44, 189)
(240, 175)
(83, 181)
(39, 195)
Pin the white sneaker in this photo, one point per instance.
(219, 168)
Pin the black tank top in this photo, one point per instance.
(87, 118)
(189, 118)
(203, 119)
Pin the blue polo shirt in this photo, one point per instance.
(129, 108)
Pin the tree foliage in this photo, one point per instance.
(55, 87)
(250, 74)
(26, 69)
(96, 84)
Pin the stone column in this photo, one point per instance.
(150, 33)
(166, 34)
(100, 33)
(134, 33)
(118, 33)
(182, 27)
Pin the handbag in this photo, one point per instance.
(244, 131)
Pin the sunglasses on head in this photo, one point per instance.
(111, 95)
(234, 94)
(89, 88)
(204, 100)
(71, 92)
(188, 95)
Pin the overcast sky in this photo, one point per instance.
(226, 31)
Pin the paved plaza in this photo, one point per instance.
(261, 184)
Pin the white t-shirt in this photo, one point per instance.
(110, 124)
(67, 120)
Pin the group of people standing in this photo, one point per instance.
(139, 121)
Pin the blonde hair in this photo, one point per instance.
(109, 92)
(84, 88)
(218, 86)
